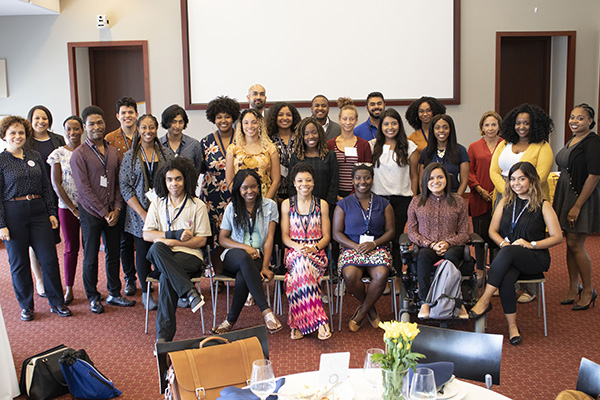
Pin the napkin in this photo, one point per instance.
(235, 393)
(442, 371)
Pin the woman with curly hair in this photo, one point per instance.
(419, 115)
(252, 149)
(577, 202)
(282, 120)
(311, 147)
(222, 112)
(525, 131)
(347, 147)
(443, 148)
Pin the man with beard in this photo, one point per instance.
(257, 98)
(375, 106)
(320, 110)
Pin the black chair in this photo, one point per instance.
(409, 296)
(475, 355)
(163, 348)
(588, 380)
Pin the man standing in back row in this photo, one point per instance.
(257, 98)
(320, 110)
(95, 167)
(122, 140)
(375, 106)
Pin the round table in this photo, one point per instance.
(363, 389)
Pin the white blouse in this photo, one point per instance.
(391, 179)
(507, 159)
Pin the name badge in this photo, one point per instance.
(366, 238)
(386, 148)
(31, 163)
(103, 181)
(350, 151)
(151, 195)
(284, 171)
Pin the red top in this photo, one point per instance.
(479, 174)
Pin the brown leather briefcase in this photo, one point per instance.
(201, 374)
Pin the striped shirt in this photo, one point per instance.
(346, 163)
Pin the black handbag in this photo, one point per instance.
(41, 375)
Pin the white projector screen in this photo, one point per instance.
(299, 48)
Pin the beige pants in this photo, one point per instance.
(573, 395)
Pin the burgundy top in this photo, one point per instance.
(87, 172)
(479, 174)
(437, 221)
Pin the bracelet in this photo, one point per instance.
(374, 244)
(316, 247)
(501, 243)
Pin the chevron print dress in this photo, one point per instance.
(305, 270)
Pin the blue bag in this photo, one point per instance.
(84, 380)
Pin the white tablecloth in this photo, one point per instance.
(9, 387)
(363, 389)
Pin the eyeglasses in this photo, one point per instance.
(366, 164)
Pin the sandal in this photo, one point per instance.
(295, 334)
(224, 327)
(374, 321)
(272, 323)
(249, 301)
(324, 332)
(353, 325)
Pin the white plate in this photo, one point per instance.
(454, 390)
(296, 390)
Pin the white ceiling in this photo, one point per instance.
(29, 7)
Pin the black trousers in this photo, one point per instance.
(176, 268)
(142, 265)
(509, 264)
(400, 205)
(247, 279)
(481, 226)
(127, 249)
(28, 224)
(92, 230)
(425, 260)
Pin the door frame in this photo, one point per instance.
(71, 46)
(570, 84)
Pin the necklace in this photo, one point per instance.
(441, 153)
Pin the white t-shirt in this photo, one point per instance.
(507, 159)
(391, 179)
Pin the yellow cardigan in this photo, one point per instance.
(538, 154)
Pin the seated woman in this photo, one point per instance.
(438, 222)
(363, 224)
(305, 230)
(247, 233)
(519, 228)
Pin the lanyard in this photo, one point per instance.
(125, 139)
(169, 221)
(366, 218)
(251, 225)
(94, 148)
(149, 165)
(221, 141)
(513, 222)
(424, 135)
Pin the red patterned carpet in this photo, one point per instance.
(538, 369)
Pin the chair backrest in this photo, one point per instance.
(163, 348)
(474, 354)
(588, 380)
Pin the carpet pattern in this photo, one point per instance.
(536, 370)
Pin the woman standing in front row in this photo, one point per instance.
(577, 202)
(305, 230)
(136, 180)
(27, 217)
(519, 228)
(64, 187)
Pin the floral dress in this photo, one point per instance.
(259, 162)
(215, 193)
(305, 270)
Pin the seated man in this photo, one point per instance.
(177, 223)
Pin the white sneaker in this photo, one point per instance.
(325, 299)
(339, 290)
(526, 298)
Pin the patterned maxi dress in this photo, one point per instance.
(305, 270)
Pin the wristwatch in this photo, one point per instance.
(534, 244)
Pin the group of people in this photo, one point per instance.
(302, 183)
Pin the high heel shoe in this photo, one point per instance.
(577, 307)
(566, 302)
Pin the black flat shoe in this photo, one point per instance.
(515, 340)
(577, 307)
(96, 307)
(119, 301)
(27, 314)
(61, 310)
(473, 315)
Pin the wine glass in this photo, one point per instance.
(372, 370)
(423, 385)
(262, 382)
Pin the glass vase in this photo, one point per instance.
(395, 384)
